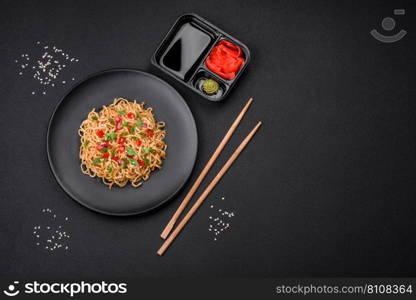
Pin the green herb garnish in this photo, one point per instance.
(110, 136)
(96, 161)
(122, 112)
(132, 130)
(148, 150)
(125, 124)
(130, 151)
(113, 152)
(95, 118)
(139, 123)
(86, 143)
(111, 121)
(104, 150)
(133, 162)
(146, 161)
(110, 169)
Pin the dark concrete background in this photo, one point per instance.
(327, 188)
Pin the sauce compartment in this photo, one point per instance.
(183, 53)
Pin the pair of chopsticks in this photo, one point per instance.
(213, 183)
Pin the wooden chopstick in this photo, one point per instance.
(206, 192)
(204, 172)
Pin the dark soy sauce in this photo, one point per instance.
(185, 49)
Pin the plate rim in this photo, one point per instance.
(52, 168)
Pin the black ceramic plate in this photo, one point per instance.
(63, 141)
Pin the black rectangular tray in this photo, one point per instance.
(199, 69)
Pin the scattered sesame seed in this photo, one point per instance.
(217, 224)
(51, 241)
(46, 64)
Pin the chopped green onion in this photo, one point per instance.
(148, 150)
(133, 162)
(86, 143)
(110, 136)
(111, 121)
(110, 169)
(132, 130)
(139, 123)
(130, 151)
(125, 124)
(95, 118)
(133, 138)
(104, 150)
(122, 112)
(96, 161)
(146, 161)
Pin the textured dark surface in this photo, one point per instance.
(327, 188)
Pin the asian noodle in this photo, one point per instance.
(121, 143)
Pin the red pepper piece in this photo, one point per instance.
(141, 163)
(121, 149)
(100, 147)
(130, 115)
(106, 155)
(138, 143)
(121, 140)
(115, 158)
(100, 133)
(117, 119)
(119, 126)
(149, 132)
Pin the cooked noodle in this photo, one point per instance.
(121, 143)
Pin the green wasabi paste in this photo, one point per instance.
(210, 86)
